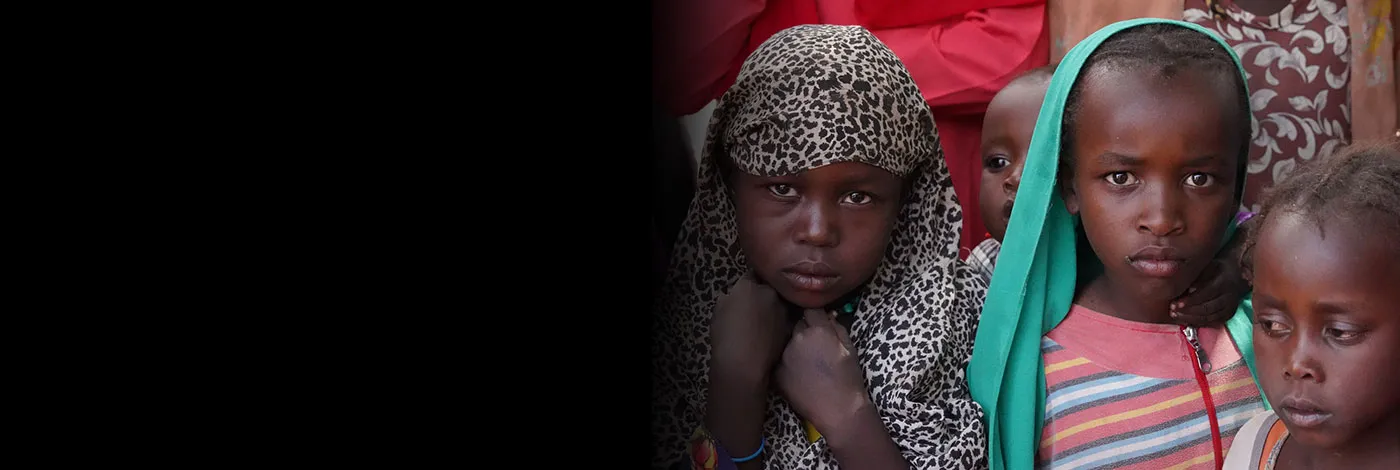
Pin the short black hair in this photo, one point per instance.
(1362, 178)
(1166, 50)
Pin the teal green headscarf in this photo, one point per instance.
(1033, 286)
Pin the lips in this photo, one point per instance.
(1157, 261)
(812, 276)
(1302, 413)
(1006, 208)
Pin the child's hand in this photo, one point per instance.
(748, 332)
(819, 374)
(1213, 298)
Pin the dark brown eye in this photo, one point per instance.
(997, 163)
(781, 190)
(1199, 179)
(858, 198)
(1120, 178)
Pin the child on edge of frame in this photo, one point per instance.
(816, 314)
(1078, 361)
(1006, 139)
(1326, 263)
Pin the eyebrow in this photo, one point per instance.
(1203, 160)
(860, 180)
(1118, 159)
(1261, 298)
(1337, 307)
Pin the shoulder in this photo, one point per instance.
(1250, 441)
(984, 256)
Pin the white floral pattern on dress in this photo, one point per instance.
(1298, 65)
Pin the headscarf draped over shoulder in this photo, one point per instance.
(811, 96)
(1035, 277)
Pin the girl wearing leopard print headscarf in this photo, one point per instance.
(816, 314)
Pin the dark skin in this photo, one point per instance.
(812, 239)
(1006, 139)
(820, 234)
(1327, 338)
(1262, 7)
(1153, 183)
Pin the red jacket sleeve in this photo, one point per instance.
(960, 64)
(882, 14)
(695, 43)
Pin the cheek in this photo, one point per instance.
(991, 189)
(1362, 381)
(1271, 359)
(990, 199)
(867, 239)
(759, 235)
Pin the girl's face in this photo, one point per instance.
(1327, 332)
(1154, 175)
(819, 234)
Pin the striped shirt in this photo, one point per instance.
(1122, 394)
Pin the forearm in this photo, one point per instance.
(735, 409)
(863, 442)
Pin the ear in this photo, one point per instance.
(1071, 198)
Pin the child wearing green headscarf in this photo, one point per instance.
(1129, 190)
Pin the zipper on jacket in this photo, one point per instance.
(1201, 366)
(1194, 341)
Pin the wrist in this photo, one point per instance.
(846, 423)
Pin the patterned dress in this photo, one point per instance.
(1298, 65)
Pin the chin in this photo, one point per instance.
(807, 299)
(1152, 288)
(1316, 438)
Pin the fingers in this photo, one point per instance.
(1207, 286)
(816, 318)
(1208, 313)
(841, 333)
(1196, 296)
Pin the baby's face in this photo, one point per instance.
(1006, 137)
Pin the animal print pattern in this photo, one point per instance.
(810, 96)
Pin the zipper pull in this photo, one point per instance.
(1192, 339)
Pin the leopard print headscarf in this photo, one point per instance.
(810, 96)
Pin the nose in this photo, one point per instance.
(816, 225)
(1012, 181)
(1302, 365)
(1161, 212)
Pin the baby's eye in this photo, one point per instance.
(1120, 178)
(997, 163)
(781, 190)
(1199, 179)
(858, 198)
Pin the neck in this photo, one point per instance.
(1262, 7)
(1370, 449)
(1101, 294)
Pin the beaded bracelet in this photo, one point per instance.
(707, 454)
(754, 455)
